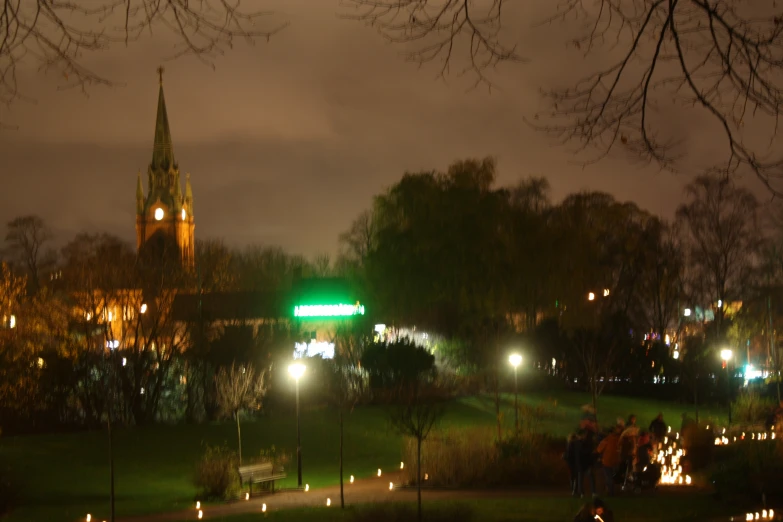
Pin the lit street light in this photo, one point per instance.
(515, 359)
(296, 371)
(726, 355)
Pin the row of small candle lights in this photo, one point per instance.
(723, 440)
(764, 515)
(306, 489)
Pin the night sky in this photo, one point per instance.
(287, 141)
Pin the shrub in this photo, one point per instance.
(751, 408)
(278, 458)
(473, 457)
(7, 494)
(407, 512)
(216, 474)
(751, 469)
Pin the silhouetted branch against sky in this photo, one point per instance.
(55, 34)
(722, 57)
(433, 30)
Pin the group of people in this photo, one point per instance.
(621, 451)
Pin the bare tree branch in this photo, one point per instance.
(434, 28)
(57, 33)
(721, 56)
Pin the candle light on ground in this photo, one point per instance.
(247, 496)
(379, 472)
(328, 502)
(351, 479)
(263, 508)
(402, 465)
(200, 514)
(198, 504)
(391, 486)
(89, 517)
(307, 487)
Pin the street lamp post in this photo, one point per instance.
(726, 355)
(296, 371)
(515, 359)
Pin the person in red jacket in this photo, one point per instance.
(609, 449)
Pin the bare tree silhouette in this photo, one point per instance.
(56, 34)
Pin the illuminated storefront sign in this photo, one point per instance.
(329, 310)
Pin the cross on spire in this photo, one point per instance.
(160, 74)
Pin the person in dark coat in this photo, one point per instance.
(587, 458)
(571, 456)
(658, 428)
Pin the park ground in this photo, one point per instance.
(64, 476)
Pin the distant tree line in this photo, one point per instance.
(586, 288)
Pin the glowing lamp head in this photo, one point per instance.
(726, 354)
(296, 370)
(515, 359)
(159, 214)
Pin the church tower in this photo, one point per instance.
(164, 218)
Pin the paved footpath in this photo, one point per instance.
(364, 491)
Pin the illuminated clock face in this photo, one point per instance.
(184, 214)
(158, 214)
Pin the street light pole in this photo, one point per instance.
(298, 440)
(726, 355)
(515, 360)
(296, 371)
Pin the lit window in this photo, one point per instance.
(12, 322)
(158, 214)
(184, 214)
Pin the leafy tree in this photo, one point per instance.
(239, 388)
(394, 365)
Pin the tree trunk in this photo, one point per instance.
(342, 493)
(239, 438)
(497, 405)
(696, 398)
(418, 475)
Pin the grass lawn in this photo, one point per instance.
(627, 509)
(63, 477)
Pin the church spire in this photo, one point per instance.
(189, 194)
(163, 149)
(139, 195)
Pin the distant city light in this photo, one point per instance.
(12, 322)
(332, 310)
(720, 303)
(591, 296)
(143, 308)
(184, 214)
(314, 348)
(676, 354)
(687, 312)
(606, 292)
(158, 214)
(380, 328)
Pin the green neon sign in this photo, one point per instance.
(331, 310)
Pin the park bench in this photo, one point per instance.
(261, 473)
